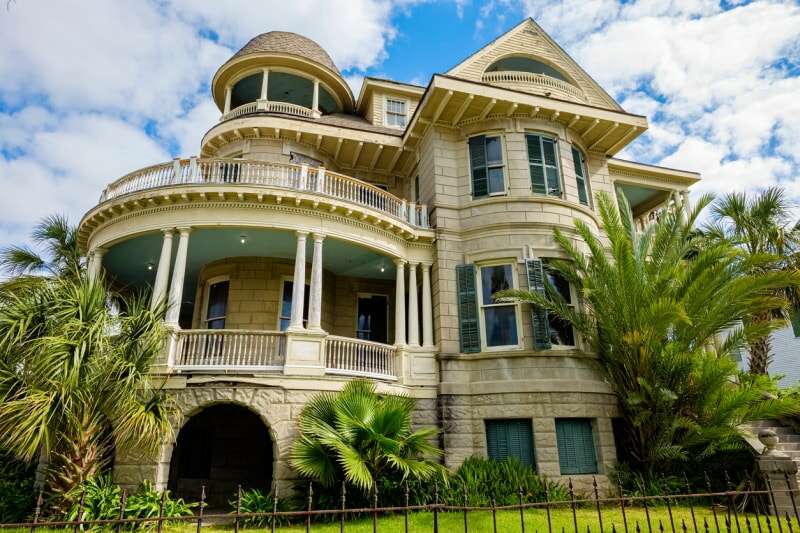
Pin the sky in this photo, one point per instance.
(91, 89)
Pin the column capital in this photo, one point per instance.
(426, 264)
(184, 230)
(413, 263)
(98, 251)
(318, 237)
(399, 262)
(168, 231)
(301, 234)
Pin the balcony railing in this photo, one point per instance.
(232, 350)
(219, 349)
(268, 174)
(512, 77)
(357, 357)
(267, 106)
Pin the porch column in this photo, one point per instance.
(315, 101)
(427, 306)
(400, 304)
(178, 276)
(96, 263)
(162, 272)
(228, 90)
(299, 283)
(264, 84)
(315, 296)
(413, 306)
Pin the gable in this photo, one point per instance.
(528, 41)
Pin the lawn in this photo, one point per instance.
(535, 521)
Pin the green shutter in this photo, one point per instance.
(535, 163)
(539, 321)
(796, 322)
(576, 454)
(468, 309)
(551, 167)
(543, 163)
(580, 175)
(510, 438)
(477, 161)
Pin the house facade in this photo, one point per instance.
(400, 211)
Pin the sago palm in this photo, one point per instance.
(357, 435)
(762, 227)
(655, 308)
(74, 378)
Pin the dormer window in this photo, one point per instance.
(395, 113)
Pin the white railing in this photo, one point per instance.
(268, 174)
(267, 106)
(359, 358)
(221, 349)
(543, 80)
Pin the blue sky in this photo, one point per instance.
(93, 89)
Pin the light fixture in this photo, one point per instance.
(383, 268)
(243, 239)
(149, 266)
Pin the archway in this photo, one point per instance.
(222, 446)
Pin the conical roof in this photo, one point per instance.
(284, 42)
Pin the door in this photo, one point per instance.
(371, 323)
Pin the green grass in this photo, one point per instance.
(509, 522)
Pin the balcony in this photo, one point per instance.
(263, 352)
(293, 177)
(266, 106)
(536, 83)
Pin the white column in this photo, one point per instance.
(264, 84)
(315, 101)
(413, 306)
(228, 90)
(96, 263)
(400, 304)
(427, 306)
(162, 271)
(299, 284)
(315, 296)
(178, 276)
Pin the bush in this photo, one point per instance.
(257, 501)
(17, 494)
(146, 502)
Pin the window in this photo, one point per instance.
(416, 188)
(217, 304)
(499, 320)
(246, 90)
(575, 439)
(561, 332)
(581, 175)
(486, 164)
(395, 113)
(510, 438)
(286, 305)
(371, 322)
(543, 162)
(525, 64)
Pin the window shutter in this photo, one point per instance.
(539, 321)
(576, 454)
(551, 167)
(477, 161)
(468, 309)
(535, 163)
(796, 322)
(580, 175)
(510, 438)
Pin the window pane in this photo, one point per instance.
(560, 284)
(501, 325)
(494, 279)
(561, 333)
(217, 300)
(286, 304)
(549, 149)
(496, 182)
(493, 152)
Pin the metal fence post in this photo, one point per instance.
(79, 516)
(202, 506)
(37, 511)
(622, 502)
(547, 507)
(597, 503)
(238, 508)
(161, 511)
(310, 501)
(572, 505)
(731, 503)
(791, 495)
(713, 508)
(521, 512)
(436, 506)
(774, 504)
(690, 501)
(405, 511)
(343, 502)
(466, 504)
(375, 508)
(494, 515)
(123, 499)
(274, 509)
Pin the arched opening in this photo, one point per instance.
(246, 90)
(220, 448)
(525, 64)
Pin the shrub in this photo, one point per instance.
(17, 494)
(146, 502)
(258, 501)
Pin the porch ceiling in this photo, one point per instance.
(642, 197)
(128, 261)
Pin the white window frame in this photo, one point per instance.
(504, 165)
(360, 295)
(284, 279)
(573, 295)
(482, 305)
(204, 320)
(386, 111)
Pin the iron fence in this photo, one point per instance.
(763, 510)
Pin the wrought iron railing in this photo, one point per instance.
(291, 176)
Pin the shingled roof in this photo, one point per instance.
(285, 42)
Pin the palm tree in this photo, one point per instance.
(60, 256)
(653, 308)
(357, 435)
(74, 380)
(762, 228)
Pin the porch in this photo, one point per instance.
(232, 308)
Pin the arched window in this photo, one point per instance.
(525, 64)
(246, 90)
